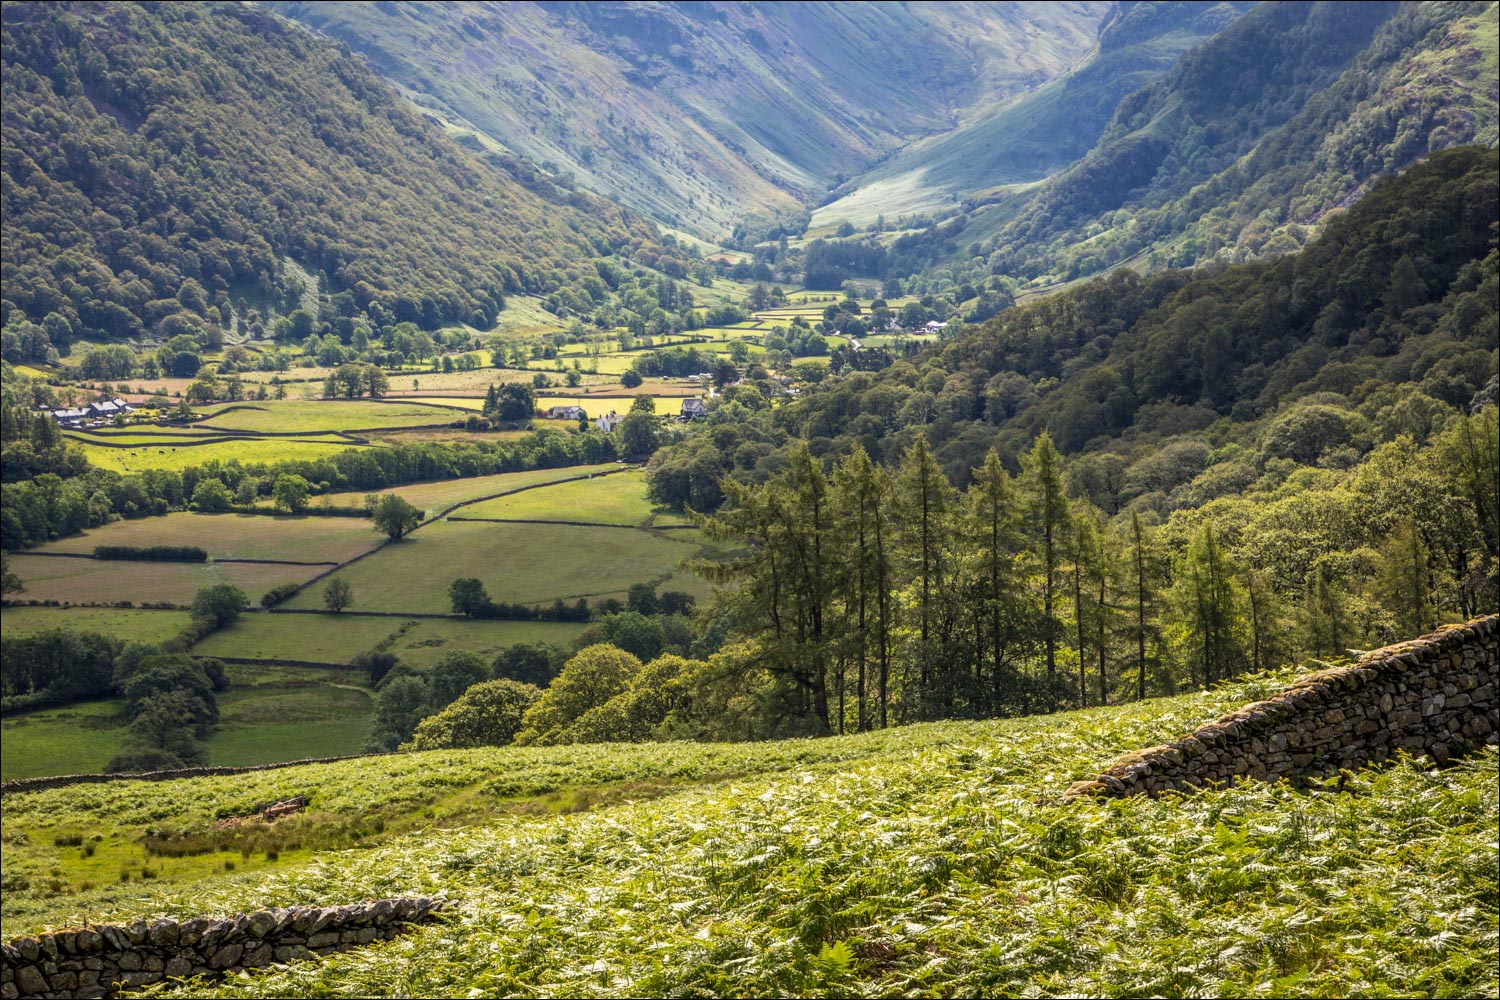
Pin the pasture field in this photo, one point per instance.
(287, 714)
(246, 452)
(526, 563)
(464, 403)
(430, 638)
(617, 499)
(73, 739)
(266, 723)
(101, 581)
(283, 416)
(144, 434)
(297, 538)
(435, 496)
(337, 639)
(930, 860)
(445, 434)
(333, 639)
(127, 624)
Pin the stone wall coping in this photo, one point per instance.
(96, 959)
(1304, 694)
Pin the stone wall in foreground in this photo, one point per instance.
(96, 961)
(1436, 695)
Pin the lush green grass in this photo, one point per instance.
(617, 499)
(928, 860)
(320, 415)
(339, 638)
(234, 536)
(516, 562)
(430, 638)
(128, 624)
(436, 496)
(262, 725)
(163, 456)
(73, 739)
(96, 581)
(268, 714)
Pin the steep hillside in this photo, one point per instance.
(1286, 115)
(930, 860)
(163, 160)
(701, 113)
(1032, 135)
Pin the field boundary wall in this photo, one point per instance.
(63, 780)
(101, 960)
(1437, 695)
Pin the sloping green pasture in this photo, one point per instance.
(337, 639)
(236, 536)
(528, 563)
(100, 581)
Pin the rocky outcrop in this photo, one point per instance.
(1436, 695)
(100, 960)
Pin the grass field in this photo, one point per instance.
(617, 499)
(339, 638)
(98, 581)
(282, 416)
(235, 536)
(163, 456)
(285, 713)
(435, 496)
(269, 723)
(75, 739)
(929, 860)
(529, 563)
(127, 624)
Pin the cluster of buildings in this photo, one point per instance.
(100, 411)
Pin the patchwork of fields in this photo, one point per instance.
(400, 600)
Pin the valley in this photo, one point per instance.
(704, 498)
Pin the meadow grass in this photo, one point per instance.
(528, 563)
(98, 581)
(435, 496)
(262, 725)
(126, 624)
(299, 538)
(320, 415)
(73, 739)
(929, 860)
(431, 638)
(246, 452)
(337, 639)
(617, 499)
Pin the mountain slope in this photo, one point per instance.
(700, 113)
(1289, 113)
(1030, 136)
(163, 158)
(1395, 303)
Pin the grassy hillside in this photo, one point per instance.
(929, 859)
(700, 113)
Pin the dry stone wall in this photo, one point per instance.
(98, 961)
(1436, 695)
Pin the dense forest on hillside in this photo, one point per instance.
(161, 160)
(1268, 461)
